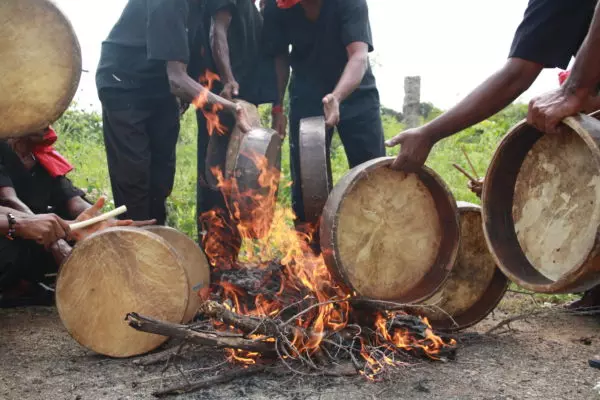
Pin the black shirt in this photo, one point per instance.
(35, 187)
(319, 56)
(254, 71)
(148, 34)
(552, 31)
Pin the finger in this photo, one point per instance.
(396, 140)
(125, 222)
(62, 228)
(399, 163)
(144, 223)
(95, 209)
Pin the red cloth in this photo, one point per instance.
(562, 77)
(50, 159)
(287, 3)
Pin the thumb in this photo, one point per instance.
(98, 205)
(326, 100)
(396, 140)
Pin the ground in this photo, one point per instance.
(543, 357)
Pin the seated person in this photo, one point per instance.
(36, 200)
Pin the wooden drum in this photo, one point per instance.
(541, 207)
(123, 270)
(475, 286)
(388, 235)
(40, 65)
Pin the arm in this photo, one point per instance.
(282, 72)
(354, 71)
(220, 50)
(9, 198)
(547, 111)
(497, 92)
(76, 206)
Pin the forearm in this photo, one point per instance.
(353, 74)
(282, 70)
(220, 50)
(496, 93)
(77, 205)
(585, 75)
(189, 90)
(8, 198)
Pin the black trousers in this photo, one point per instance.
(140, 148)
(23, 260)
(224, 233)
(361, 135)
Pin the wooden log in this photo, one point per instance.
(112, 273)
(475, 286)
(221, 148)
(256, 169)
(193, 261)
(40, 66)
(315, 168)
(541, 207)
(389, 235)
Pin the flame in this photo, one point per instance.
(210, 111)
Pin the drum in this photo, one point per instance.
(40, 66)
(388, 235)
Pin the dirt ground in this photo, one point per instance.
(543, 357)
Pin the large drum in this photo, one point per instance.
(123, 270)
(475, 286)
(40, 65)
(541, 207)
(388, 235)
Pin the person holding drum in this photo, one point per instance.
(331, 76)
(144, 74)
(33, 190)
(548, 37)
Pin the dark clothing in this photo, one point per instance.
(149, 33)
(319, 56)
(552, 31)
(254, 71)
(362, 137)
(36, 188)
(23, 260)
(140, 149)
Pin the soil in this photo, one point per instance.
(542, 357)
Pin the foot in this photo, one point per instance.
(590, 299)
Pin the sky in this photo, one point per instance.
(452, 45)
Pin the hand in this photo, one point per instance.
(279, 124)
(414, 150)
(242, 119)
(231, 90)
(331, 107)
(94, 211)
(60, 251)
(476, 187)
(546, 112)
(183, 106)
(44, 229)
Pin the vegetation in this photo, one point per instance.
(81, 142)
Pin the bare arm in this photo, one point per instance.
(282, 70)
(493, 95)
(354, 72)
(220, 49)
(9, 198)
(76, 206)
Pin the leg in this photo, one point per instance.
(163, 130)
(128, 154)
(217, 233)
(362, 137)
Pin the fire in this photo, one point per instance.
(308, 301)
(210, 111)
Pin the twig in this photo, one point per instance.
(465, 173)
(156, 358)
(470, 163)
(225, 377)
(146, 324)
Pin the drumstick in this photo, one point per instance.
(470, 163)
(100, 218)
(465, 173)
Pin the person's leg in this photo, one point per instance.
(362, 137)
(217, 232)
(128, 155)
(163, 131)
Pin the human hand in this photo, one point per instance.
(331, 108)
(476, 187)
(44, 229)
(547, 111)
(231, 90)
(279, 124)
(415, 148)
(242, 119)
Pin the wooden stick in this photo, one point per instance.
(465, 173)
(470, 163)
(100, 218)
(150, 325)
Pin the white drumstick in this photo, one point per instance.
(99, 218)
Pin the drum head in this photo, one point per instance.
(113, 273)
(40, 65)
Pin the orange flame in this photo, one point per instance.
(209, 110)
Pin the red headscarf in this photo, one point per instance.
(562, 77)
(50, 159)
(287, 3)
